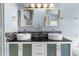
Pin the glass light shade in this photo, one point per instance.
(45, 5)
(38, 5)
(51, 5)
(32, 5)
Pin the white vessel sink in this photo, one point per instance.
(55, 36)
(24, 36)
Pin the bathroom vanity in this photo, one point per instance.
(39, 48)
(50, 48)
(38, 20)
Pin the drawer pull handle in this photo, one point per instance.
(39, 53)
(39, 46)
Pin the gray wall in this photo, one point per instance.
(68, 11)
(10, 17)
(70, 19)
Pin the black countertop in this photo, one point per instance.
(63, 40)
(43, 37)
(41, 32)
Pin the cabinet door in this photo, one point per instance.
(65, 49)
(51, 50)
(13, 49)
(27, 49)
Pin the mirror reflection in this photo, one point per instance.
(52, 17)
(25, 17)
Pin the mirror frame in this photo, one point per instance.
(46, 17)
(20, 17)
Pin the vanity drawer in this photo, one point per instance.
(38, 45)
(38, 49)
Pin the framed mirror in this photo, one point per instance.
(25, 17)
(52, 17)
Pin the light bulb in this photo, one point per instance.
(38, 5)
(51, 5)
(45, 5)
(32, 5)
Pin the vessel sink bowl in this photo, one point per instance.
(24, 36)
(55, 36)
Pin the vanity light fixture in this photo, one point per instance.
(32, 5)
(45, 5)
(39, 5)
(51, 5)
(26, 5)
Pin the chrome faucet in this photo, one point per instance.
(53, 30)
(39, 28)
